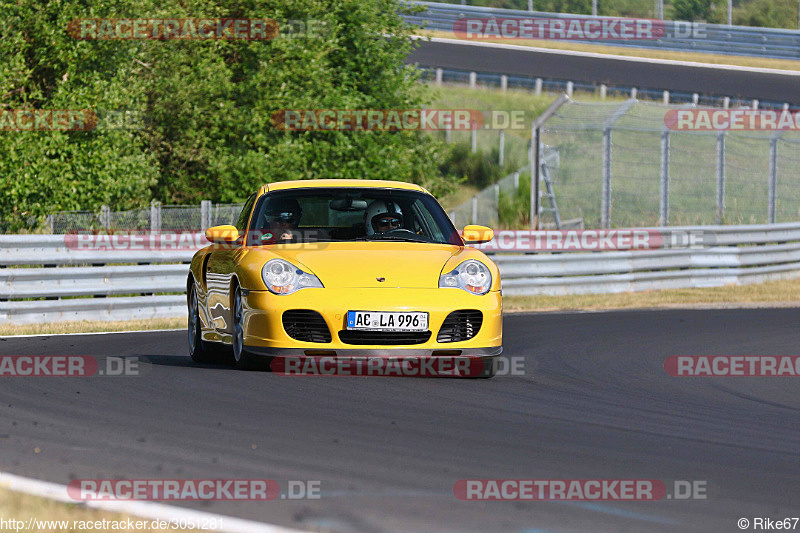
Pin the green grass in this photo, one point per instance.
(781, 293)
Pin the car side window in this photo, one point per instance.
(241, 224)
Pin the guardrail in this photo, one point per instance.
(738, 255)
(715, 38)
(83, 281)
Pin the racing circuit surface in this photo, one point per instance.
(596, 68)
(595, 403)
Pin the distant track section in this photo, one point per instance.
(515, 60)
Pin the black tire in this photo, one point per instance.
(243, 359)
(199, 350)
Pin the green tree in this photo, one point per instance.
(691, 9)
(767, 13)
(207, 104)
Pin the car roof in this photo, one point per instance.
(373, 184)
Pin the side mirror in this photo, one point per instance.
(222, 234)
(474, 234)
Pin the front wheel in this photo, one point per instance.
(199, 350)
(196, 349)
(244, 360)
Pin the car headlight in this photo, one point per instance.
(282, 277)
(471, 275)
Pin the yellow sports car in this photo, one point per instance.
(344, 268)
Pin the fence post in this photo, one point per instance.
(50, 222)
(473, 78)
(726, 102)
(538, 89)
(603, 90)
(773, 177)
(605, 199)
(665, 97)
(664, 203)
(474, 140)
(155, 215)
(516, 181)
(504, 83)
(720, 177)
(502, 148)
(448, 132)
(497, 202)
(205, 214)
(105, 217)
(474, 209)
(438, 76)
(570, 88)
(533, 157)
(634, 92)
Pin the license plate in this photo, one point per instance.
(387, 321)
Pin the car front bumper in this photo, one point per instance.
(264, 331)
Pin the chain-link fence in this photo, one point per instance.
(154, 218)
(483, 208)
(621, 166)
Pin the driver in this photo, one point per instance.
(282, 216)
(382, 216)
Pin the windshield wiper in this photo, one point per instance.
(390, 238)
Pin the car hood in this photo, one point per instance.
(361, 264)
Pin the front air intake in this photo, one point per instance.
(384, 337)
(460, 326)
(306, 325)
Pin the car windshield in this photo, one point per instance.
(350, 214)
